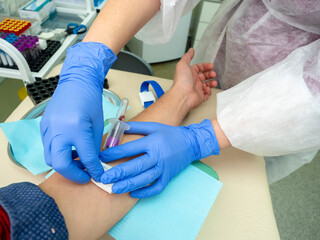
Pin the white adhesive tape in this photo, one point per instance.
(105, 187)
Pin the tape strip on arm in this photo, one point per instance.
(161, 27)
(277, 111)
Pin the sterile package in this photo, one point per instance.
(38, 9)
(74, 2)
(105, 187)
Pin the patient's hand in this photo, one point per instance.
(188, 79)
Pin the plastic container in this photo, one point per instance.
(115, 133)
(118, 126)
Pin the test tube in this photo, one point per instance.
(30, 54)
(118, 126)
(10, 61)
(21, 49)
(122, 109)
(3, 58)
(36, 48)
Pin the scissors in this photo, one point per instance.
(74, 28)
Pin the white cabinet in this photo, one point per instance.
(171, 50)
(207, 11)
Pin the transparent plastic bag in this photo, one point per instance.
(161, 27)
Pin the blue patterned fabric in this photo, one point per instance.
(33, 214)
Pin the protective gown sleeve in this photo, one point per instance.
(162, 26)
(277, 111)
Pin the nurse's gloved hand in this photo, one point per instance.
(74, 114)
(168, 150)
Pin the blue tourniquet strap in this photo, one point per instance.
(33, 214)
(157, 88)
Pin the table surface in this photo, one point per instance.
(243, 209)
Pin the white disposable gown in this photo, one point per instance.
(267, 58)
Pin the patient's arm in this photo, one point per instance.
(112, 27)
(88, 210)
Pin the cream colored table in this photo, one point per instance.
(243, 209)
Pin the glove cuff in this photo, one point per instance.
(205, 138)
(89, 62)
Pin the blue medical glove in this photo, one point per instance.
(74, 115)
(168, 150)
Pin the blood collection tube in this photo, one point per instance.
(122, 109)
(37, 48)
(29, 52)
(118, 126)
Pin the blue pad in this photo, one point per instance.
(177, 213)
(25, 139)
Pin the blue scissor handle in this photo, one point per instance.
(76, 29)
(80, 29)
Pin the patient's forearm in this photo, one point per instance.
(120, 20)
(170, 109)
(174, 108)
(223, 141)
(89, 211)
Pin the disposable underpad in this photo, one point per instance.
(177, 213)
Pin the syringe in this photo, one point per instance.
(118, 126)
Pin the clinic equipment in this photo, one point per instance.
(9, 25)
(29, 46)
(39, 10)
(74, 28)
(59, 34)
(146, 96)
(118, 126)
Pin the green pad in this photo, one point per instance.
(205, 168)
